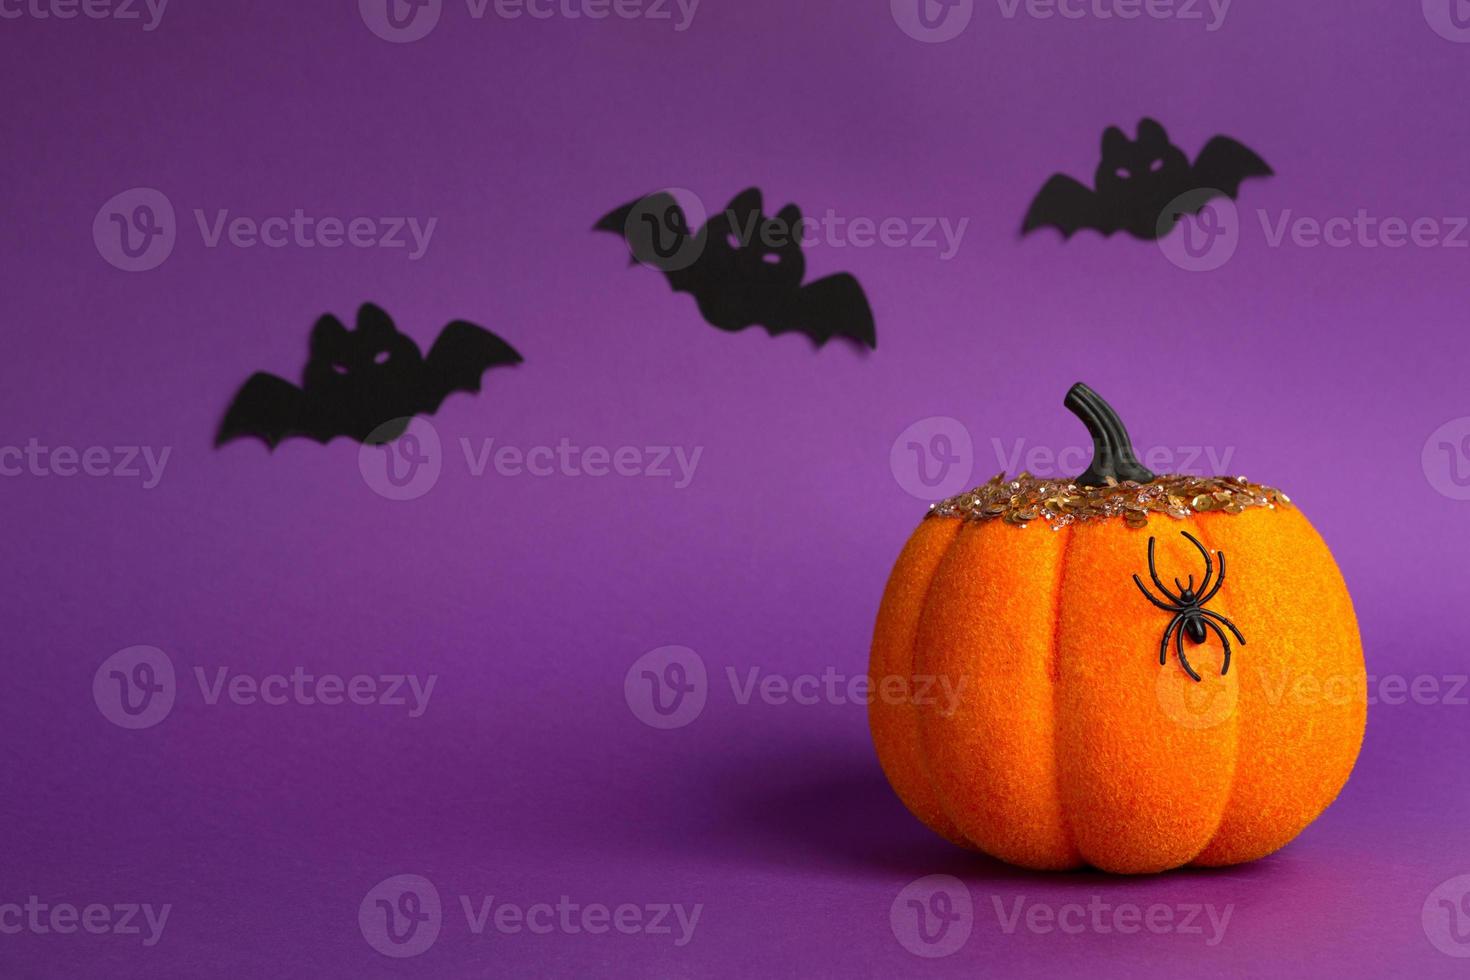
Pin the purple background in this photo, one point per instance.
(1324, 370)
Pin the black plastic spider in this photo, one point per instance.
(1190, 614)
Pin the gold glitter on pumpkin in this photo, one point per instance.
(1026, 498)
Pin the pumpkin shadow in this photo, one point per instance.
(839, 815)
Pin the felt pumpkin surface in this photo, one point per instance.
(1143, 672)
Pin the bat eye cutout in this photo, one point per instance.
(745, 269)
(1120, 200)
(334, 400)
(1190, 617)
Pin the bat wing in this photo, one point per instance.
(458, 359)
(1224, 163)
(832, 307)
(657, 233)
(270, 410)
(1067, 205)
(616, 221)
(640, 222)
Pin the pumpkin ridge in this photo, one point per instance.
(990, 747)
(895, 725)
(1322, 730)
(1054, 671)
(925, 768)
(1225, 589)
(1142, 778)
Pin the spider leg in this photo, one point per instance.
(1139, 582)
(1183, 660)
(1209, 568)
(1154, 574)
(1225, 668)
(1218, 582)
(1214, 615)
(1164, 643)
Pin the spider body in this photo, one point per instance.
(1191, 618)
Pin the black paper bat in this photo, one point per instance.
(357, 381)
(744, 269)
(1138, 180)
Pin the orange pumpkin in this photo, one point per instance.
(1125, 671)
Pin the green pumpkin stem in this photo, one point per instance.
(1112, 450)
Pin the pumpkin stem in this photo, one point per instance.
(1112, 450)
